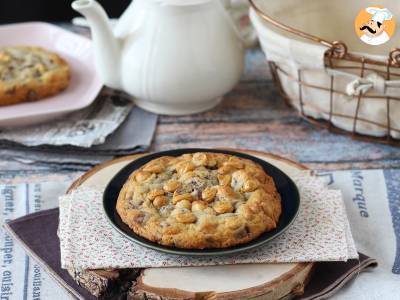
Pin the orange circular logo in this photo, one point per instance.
(375, 25)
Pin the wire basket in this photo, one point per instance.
(352, 93)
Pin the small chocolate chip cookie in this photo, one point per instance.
(199, 201)
(30, 74)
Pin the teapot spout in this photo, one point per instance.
(106, 46)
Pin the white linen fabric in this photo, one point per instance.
(303, 60)
(21, 276)
(372, 200)
(321, 232)
(371, 197)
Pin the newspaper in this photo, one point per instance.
(83, 128)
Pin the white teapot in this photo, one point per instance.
(174, 56)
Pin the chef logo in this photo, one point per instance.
(375, 25)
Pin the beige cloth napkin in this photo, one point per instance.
(321, 232)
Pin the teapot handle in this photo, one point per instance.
(239, 13)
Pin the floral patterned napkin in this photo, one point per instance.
(321, 232)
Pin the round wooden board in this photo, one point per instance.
(256, 281)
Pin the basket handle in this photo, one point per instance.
(336, 49)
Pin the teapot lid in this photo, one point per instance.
(181, 2)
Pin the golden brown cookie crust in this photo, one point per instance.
(200, 200)
(30, 74)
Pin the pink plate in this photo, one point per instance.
(75, 49)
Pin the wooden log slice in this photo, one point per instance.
(106, 284)
(255, 281)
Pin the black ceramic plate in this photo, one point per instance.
(285, 186)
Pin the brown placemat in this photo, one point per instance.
(38, 235)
